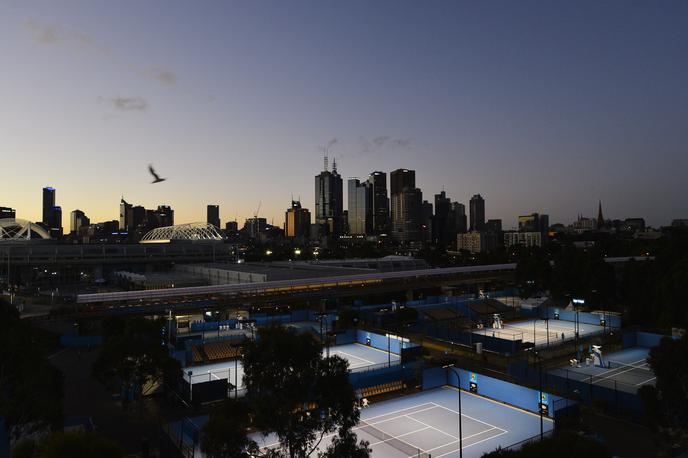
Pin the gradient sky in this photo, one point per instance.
(539, 106)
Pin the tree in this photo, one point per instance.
(666, 404)
(224, 435)
(297, 393)
(30, 387)
(133, 354)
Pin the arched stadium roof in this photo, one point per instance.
(191, 231)
(20, 229)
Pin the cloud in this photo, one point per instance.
(48, 34)
(326, 149)
(384, 142)
(126, 103)
(161, 75)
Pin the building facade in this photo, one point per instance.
(213, 215)
(360, 211)
(477, 213)
(297, 221)
(406, 206)
(329, 205)
(380, 199)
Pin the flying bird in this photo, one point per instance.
(155, 175)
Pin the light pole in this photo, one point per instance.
(539, 362)
(458, 384)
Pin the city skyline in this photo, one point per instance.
(591, 113)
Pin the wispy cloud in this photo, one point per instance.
(55, 35)
(161, 75)
(48, 34)
(328, 146)
(126, 103)
(385, 142)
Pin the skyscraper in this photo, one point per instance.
(378, 183)
(297, 221)
(477, 213)
(329, 204)
(459, 214)
(126, 218)
(360, 211)
(213, 215)
(52, 214)
(56, 225)
(48, 204)
(406, 206)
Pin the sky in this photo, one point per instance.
(545, 106)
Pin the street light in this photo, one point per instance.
(458, 380)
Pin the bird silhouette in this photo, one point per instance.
(155, 175)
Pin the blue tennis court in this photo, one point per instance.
(426, 424)
(626, 370)
(360, 357)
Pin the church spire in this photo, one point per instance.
(600, 217)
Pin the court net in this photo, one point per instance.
(404, 447)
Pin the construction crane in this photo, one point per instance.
(255, 215)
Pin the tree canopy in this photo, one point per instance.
(293, 392)
(30, 387)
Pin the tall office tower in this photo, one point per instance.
(213, 216)
(78, 219)
(406, 206)
(126, 222)
(7, 213)
(56, 222)
(443, 223)
(427, 221)
(360, 211)
(529, 223)
(329, 205)
(460, 219)
(297, 221)
(378, 182)
(477, 209)
(48, 204)
(255, 226)
(233, 226)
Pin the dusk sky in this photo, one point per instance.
(539, 106)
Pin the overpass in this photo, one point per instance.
(378, 281)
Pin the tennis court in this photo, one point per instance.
(625, 370)
(426, 425)
(360, 357)
(541, 332)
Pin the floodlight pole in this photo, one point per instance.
(458, 380)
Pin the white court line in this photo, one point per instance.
(645, 381)
(464, 438)
(376, 349)
(352, 356)
(397, 438)
(378, 422)
(620, 372)
(394, 437)
(474, 443)
(432, 427)
(401, 410)
(469, 417)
